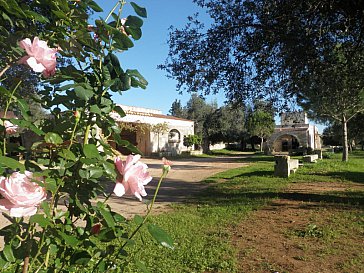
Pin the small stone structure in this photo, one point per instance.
(294, 134)
(284, 165)
(319, 153)
(310, 158)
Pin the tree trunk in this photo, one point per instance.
(243, 145)
(261, 144)
(345, 156)
(206, 145)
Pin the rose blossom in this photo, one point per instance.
(10, 128)
(22, 196)
(40, 57)
(134, 176)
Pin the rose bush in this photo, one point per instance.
(73, 157)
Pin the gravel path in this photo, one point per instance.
(181, 183)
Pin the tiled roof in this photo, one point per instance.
(145, 114)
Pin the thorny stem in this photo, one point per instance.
(87, 132)
(149, 208)
(4, 70)
(26, 259)
(112, 10)
(164, 174)
(6, 111)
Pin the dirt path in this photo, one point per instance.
(301, 232)
(181, 183)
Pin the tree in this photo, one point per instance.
(159, 128)
(197, 110)
(281, 50)
(191, 140)
(177, 110)
(332, 135)
(260, 124)
(226, 124)
(356, 129)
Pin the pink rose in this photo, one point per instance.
(22, 196)
(134, 176)
(10, 128)
(40, 57)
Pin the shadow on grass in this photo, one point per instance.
(215, 196)
(357, 177)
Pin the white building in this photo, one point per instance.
(141, 129)
(294, 133)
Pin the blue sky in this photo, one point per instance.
(151, 50)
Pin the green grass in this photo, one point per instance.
(201, 230)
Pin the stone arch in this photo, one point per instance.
(286, 142)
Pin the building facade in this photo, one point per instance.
(152, 132)
(294, 133)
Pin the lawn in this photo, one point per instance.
(326, 230)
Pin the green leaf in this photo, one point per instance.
(24, 108)
(67, 154)
(8, 254)
(138, 219)
(53, 138)
(51, 185)
(142, 12)
(120, 111)
(141, 266)
(90, 151)
(68, 239)
(129, 146)
(95, 109)
(40, 220)
(46, 208)
(136, 33)
(95, 6)
(118, 217)
(160, 236)
(6, 17)
(95, 172)
(27, 124)
(60, 14)
(109, 169)
(36, 16)
(122, 41)
(102, 266)
(11, 163)
(81, 258)
(134, 22)
(108, 217)
(84, 173)
(141, 81)
(83, 94)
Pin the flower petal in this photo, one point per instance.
(119, 189)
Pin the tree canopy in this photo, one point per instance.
(287, 51)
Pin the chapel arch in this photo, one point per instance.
(285, 143)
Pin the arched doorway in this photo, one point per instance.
(286, 143)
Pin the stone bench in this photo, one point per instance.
(284, 165)
(311, 158)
